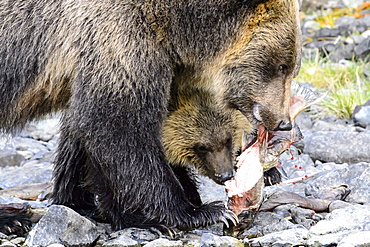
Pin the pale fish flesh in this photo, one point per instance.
(245, 189)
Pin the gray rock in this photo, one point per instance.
(357, 39)
(211, 191)
(304, 121)
(28, 144)
(353, 3)
(56, 245)
(353, 25)
(361, 115)
(311, 26)
(268, 222)
(366, 34)
(313, 5)
(163, 242)
(7, 243)
(9, 157)
(344, 21)
(357, 239)
(290, 237)
(343, 227)
(43, 130)
(301, 216)
(351, 219)
(122, 241)
(140, 235)
(338, 147)
(304, 217)
(18, 240)
(296, 166)
(362, 50)
(330, 125)
(327, 32)
(327, 240)
(209, 239)
(343, 50)
(64, 226)
(338, 204)
(8, 200)
(310, 53)
(319, 44)
(367, 70)
(355, 176)
(16, 176)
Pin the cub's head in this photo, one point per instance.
(254, 73)
(200, 134)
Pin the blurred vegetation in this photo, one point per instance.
(326, 18)
(345, 83)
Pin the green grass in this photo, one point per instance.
(346, 84)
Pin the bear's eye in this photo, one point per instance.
(199, 148)
(282, 69)
(229, 143)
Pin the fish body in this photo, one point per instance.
(244, 190)
(263, 152)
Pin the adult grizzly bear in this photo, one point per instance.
(110, 65)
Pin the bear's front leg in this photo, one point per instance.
(125, 166)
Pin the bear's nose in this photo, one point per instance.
(221, 178)
(284, 126)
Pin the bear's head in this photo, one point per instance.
(200, 134)
(254, 73)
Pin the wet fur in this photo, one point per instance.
(110, 65)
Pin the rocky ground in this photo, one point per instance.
(348, 39)
(334, 156)
(331, 166)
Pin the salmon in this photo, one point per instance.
(245, 190)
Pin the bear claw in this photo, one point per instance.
(229, 215)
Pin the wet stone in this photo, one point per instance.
(304, 217)
(64, 226)
(363, 49)
(290, 237)
(331, 146)
(353, 218)
(122, 241)
(141, 236)
(327, 32)
(338, 204)
(36, 173)
(209, 239)
(9, 157)
(361, 115)
(7, 243)
(343, 50)
(357, 239)
(356, 177)
(268, 222)
(163, 242)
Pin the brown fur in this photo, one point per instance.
(199, 133)
(110, 66)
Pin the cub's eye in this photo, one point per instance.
(282, 69)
